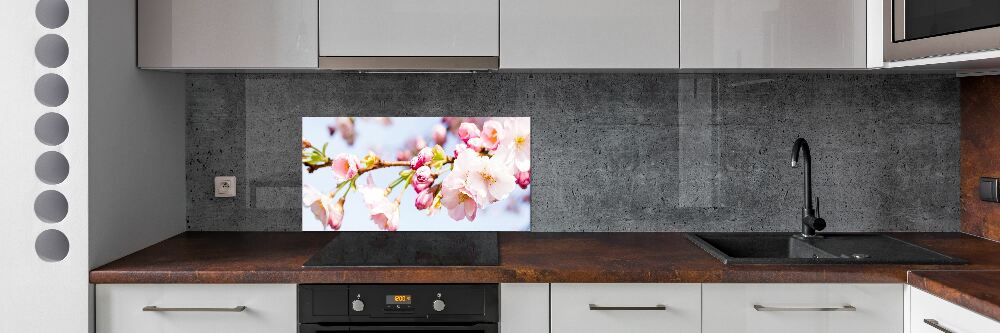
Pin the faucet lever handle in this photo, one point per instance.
(817, 206)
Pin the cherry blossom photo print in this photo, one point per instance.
(416, 174)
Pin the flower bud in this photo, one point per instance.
(423, 157)
(424, 199)
(523, 179)
(422, 179)
(439, 134)
(468, 131)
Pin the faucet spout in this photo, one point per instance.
(810, 222)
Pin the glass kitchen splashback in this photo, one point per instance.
(416, 173)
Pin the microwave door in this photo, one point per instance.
(916, 29)
(916, 19)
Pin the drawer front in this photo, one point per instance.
(946, 315)
(734, 308)
(633, 308)
(269, 308)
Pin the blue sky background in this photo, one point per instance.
(385, 141)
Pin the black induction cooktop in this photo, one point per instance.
(409, 248)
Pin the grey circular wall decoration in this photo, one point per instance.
(52, 13)
(52, 167)
(51, 51)
(51, 206)
(52, 245)
(51, 129)
(51, 90)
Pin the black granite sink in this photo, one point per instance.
(834, 248)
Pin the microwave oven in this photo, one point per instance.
(915, 29)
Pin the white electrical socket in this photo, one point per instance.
(225, 187)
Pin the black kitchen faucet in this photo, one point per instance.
(810, 221)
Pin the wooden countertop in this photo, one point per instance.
(978, 291)
(275, 257)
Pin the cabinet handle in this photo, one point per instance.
(154, 308)
(595, 307)
(935, 324)
(759, 307)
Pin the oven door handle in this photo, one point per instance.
(485, 328)
(401, 327)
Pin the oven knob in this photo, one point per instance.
(358, 305)
(438, 305)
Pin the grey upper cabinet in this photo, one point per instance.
(407, 28)
(589, 34)
(779, 34)
(221, 34)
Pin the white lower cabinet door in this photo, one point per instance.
(626, 307)
(802, 308)
(930, 314)
(524, 308)
(196, 308)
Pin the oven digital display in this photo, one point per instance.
(398, 299)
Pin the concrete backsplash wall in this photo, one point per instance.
(615, 152)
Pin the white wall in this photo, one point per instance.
(38, 295)
(126, 138)
(137, 192)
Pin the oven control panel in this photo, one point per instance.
(399, 303)
(331, 303)
(421, 300)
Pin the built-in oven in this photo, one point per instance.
(916, 29)
(385, 308)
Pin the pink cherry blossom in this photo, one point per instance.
(423, 157)
(492, 134)
(335, 216)
(403, 155)
(459, 203)
(475, 144)
(489, 181)
(371, 194)
(459, 148)
(468, 131)
(454, 195)
(439, 134)
(422, 179)
(384, 212)
(515, 146)
(485, 179)
(344, 166)
(346, 127)
(323, 208)
(424, 199)
(386, 216)
(523, 178)
(417, 144)
(465, 161)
